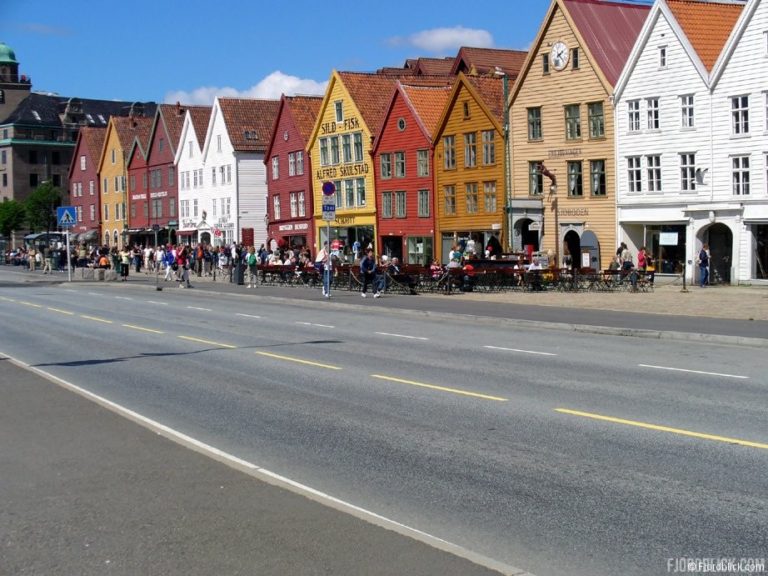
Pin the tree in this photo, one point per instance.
(41, 207)
(12, 217)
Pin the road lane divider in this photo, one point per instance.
(247, 315)
(29, 304)
(210, 342)
(142, 329)
(95, 319)
(299, 360)
(401, 336)
(198, 308)
(317, 325)
(520, 351)
(694, 371)
(4, 299)
(60, 311)
(658, 428)
(439, 388)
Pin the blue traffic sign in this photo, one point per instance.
(66, 216)
(329, 188)
(329, 212)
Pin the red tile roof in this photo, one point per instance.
(609, 29)
(486, 60)
(172, 116)
(434, 66)
(707, 25)
(93, 139)
(249, 122)
(428, 103)
(200, 116)
(304, 110)
(129, 128)
(491, 90)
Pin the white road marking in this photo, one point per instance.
(694, 371)
(196, 308)
(402, 336)
(94, 294)
(158, 303)
(520, 351)
(318, 325)
(283, 481)
(247, 315)
(122, 298)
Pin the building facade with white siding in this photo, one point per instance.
(194, 197)
(664, 148)
(739, 210)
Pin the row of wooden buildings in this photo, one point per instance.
(623, 122)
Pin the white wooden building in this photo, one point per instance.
(664, 144)
(194, 198)
(738, 213)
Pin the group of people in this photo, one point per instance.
(628, 270)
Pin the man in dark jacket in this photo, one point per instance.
(367, 272)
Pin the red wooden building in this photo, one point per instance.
(84, 185)
(289, 173)
(403, 166)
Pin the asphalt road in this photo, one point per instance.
(561, 453)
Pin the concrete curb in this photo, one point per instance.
(720, 339)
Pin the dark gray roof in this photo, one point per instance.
(47, 110)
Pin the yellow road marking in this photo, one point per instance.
(297, 360)
(664, 428)
(95, 319)
(143, 329)
(440, 388)
(29, 304)
(207, 342)
(61, 311)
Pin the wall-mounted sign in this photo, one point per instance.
(573, 212)
(564, 153)
(668, 238)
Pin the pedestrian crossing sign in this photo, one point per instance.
(66, 216)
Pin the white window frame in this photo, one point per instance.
(688, 111)
(740, 115)
(470, 150)
(302, 205)
(385, 164)
(422, 163)
(662, 57)
(275, 167)
(449, 152)
(633, 115)
(423, 196)
(634, 174)
(653, 170)
(400, 204)
(740, 175)
(652, 113)
(489, 147)
(688, 172)
(490, 197)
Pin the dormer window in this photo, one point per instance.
(662, 57)
(90, 119)
(36, 115)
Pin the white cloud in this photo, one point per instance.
(271, 87)
(442, 40)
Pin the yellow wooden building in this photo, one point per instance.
(562, 132)
(469, 168)
(121, 132)
(351, 114)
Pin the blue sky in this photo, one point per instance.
(194, 50)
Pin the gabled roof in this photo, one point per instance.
(425, 101)
(304, 110)
(93, 138)
(54, 111)
(249, 122)
(200, 116)
(172, 117)
(129, 128)
(434, 66)
(706, 24)
(609, 30)
(745, 18)
(488, 91)
(370, 93)
(486, 60)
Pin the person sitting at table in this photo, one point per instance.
(533, 275)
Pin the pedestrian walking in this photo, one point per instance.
(368, 273)
(703, 262)
(125, 263)
(252, 261)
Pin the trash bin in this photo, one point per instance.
(239, 274)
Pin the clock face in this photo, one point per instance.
(559, 55)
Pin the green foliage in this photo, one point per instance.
(12, 217)
(41, 207)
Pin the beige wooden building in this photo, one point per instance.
(562, 132)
